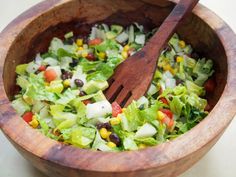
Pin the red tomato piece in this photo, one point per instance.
(210, 85)
(42, 68)
(171, 123)
(116, 109)
(28, 116)
(87, 102)
(167, 112)
(166, 120)
(50, 75)
(96, 41)
(164, 100)
(91, 57)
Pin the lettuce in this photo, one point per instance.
(176, 105)
(67, 97)
(132, 114)
(100, 144)
(21, 69)
(82, 136)
(193, 88)
(22, 82)
(20, 106)
(129, 144)
(203, 70)
(148, 141)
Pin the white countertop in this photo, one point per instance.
(219, 162)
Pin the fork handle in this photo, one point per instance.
(156, 44)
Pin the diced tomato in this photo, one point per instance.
(50, 75)
(42, 68)
(166, 120)
(210, 85)
(167, 112)
(87, 102)
(96, 41)
(171, 123)
(164, 100)
(116, 109)
(28, 116)
(91, 57)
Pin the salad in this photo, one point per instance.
(62, 91)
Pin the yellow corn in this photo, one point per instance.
(66, 83)
(34, 123)
(111, 144)
(123, 109)
(126, 48)
(169, 68)
(142, 146)
(124, 54)
(84, 54)
(182, 44)
(102, 55)
(160, 115)
(115, 121)
(179, 59)
(104, 133)
(46, 83)
(80, 48)
(79, 42)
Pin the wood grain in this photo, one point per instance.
(23, 38)
(133, 77)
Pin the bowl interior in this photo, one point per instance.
(35, 38)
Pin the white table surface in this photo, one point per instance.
(219, 162)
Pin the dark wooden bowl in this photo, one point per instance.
(31, 32)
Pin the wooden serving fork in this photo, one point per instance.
(133, 77)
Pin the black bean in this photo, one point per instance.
(82, 93)
(66, 75)
(74, 63)
(79, 83)
(141, 107)
(115, 139)
(104, 125)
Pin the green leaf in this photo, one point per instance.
(176, 105)
(20, 106)
(21, 69)
(133, 117)
(148, 141)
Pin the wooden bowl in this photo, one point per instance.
(31, 32)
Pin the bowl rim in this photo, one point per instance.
(148, 158)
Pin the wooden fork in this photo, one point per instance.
(133, 77)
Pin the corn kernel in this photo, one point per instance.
(111, 144)
(66, 83)
(124, 54)
(80, 48)
(34, 123)
(179, 59)
(79, 42)
(182, 44)
(102, 55)
(126, 48)
(123, 109)
(104, 133)
(169, 68)
(46, 83)
(142, 146)
(115, 121)
(84, 54)
(160, 115)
